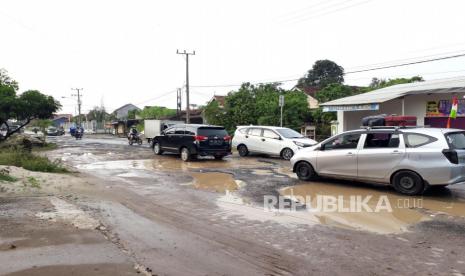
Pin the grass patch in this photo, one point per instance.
(29, 161)
(34, 182)
(46, 147)
(7, 178)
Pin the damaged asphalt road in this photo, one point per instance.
(160, 216)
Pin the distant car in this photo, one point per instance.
(191, 140)
(15, 127)
(409, 159)
(52, 131)
(279, 141)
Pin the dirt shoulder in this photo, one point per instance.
(44, 234)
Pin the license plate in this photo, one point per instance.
(215, 142)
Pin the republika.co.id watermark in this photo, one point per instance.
(339, 204)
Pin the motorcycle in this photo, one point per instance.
(78, 134)
(134, 138)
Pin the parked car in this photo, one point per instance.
(409, 159)
(191, 140)
(279, 141)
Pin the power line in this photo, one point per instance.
(341, 8)
(404, 60)
(346, 73)
(158, 97)
(405, 64)
(294, 14)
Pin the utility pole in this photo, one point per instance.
(78, 94)
(281, 104)
(187, 54)
(179, 102)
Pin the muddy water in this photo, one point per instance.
(214, 181)
(174, 163)
(396, 214)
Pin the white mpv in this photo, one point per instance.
(270, 140)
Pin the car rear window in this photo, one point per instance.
(210, 131)
(415, 140)
(456, 140)
(243, 130)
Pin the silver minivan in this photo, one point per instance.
(409, 159)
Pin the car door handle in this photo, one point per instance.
(350, 154)
(396, 152)
(246, 136)
(263, 139)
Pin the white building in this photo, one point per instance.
(429, 101)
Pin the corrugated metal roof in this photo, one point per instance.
(449, 85)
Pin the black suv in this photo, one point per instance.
(191, 140)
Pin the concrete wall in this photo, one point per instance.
(414, 105)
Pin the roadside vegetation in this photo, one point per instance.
(7, 178)
(30, 161)
(257, 104)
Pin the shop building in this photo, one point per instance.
(430, 101)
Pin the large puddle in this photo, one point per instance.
(174, 163)
(214, 181)
(386, 213)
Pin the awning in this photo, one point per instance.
(367, 100)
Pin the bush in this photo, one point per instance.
(29, 161)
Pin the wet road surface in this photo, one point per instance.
(207, 217)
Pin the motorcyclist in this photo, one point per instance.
(133, 134)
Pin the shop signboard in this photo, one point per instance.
(442, 108)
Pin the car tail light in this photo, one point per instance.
(200, 138)
(451, 155)
(227, 138)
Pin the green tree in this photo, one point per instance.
(323, 72)
(98, 114)
(214, 114)
(156, 112)
(334, 91)
(258, 105)
(381, 83)
(5, 80)
(24, 108)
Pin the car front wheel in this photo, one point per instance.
(408, 183)
(185, 154)
(305, 171)
(287, 154)
(157, 149)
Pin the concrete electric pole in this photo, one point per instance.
(187, 54)
(78, 94)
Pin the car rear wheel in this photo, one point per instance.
(157, 149)
(287, 154)
(243, 151)
(305, 171)
(408, 183)
(185, 154)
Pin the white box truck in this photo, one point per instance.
(154, 128)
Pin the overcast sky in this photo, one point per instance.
(125, 51)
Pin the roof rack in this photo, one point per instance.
(391, 127)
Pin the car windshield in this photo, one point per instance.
(456, 140)
(209, 131)
(289, 133)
